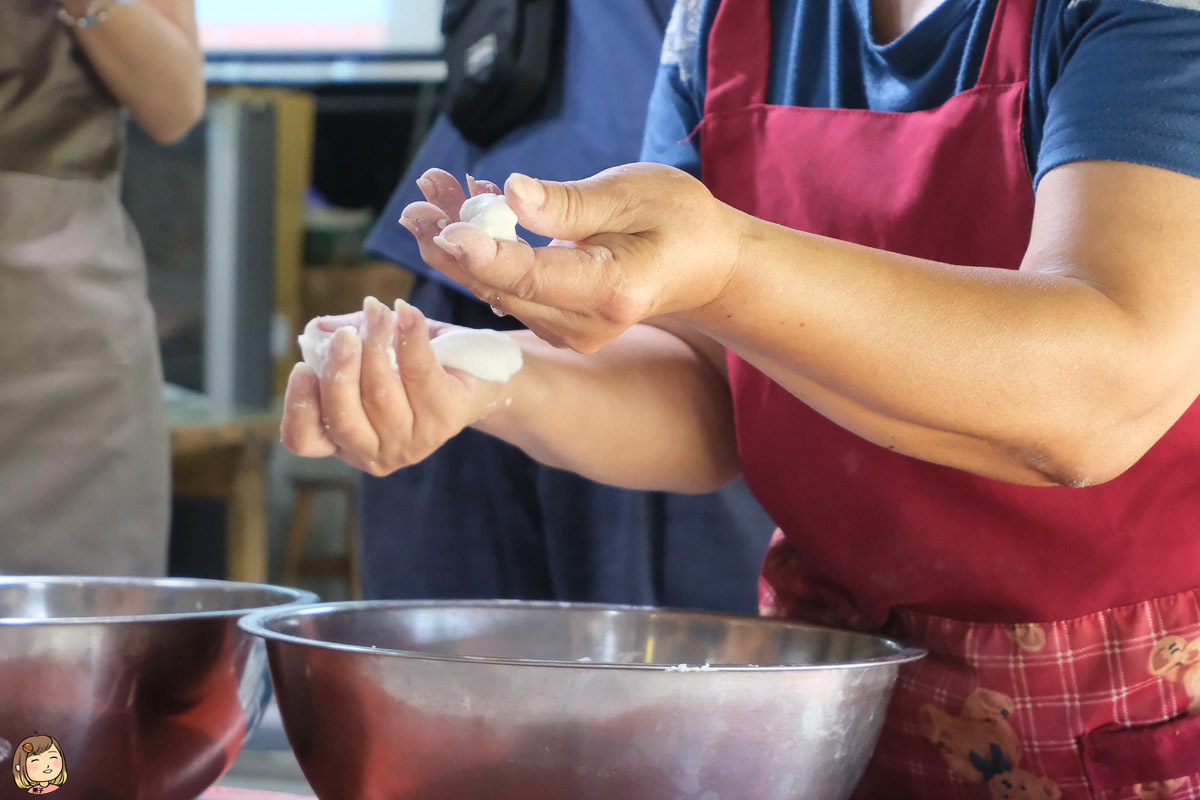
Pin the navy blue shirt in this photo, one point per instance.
(1115, 80)
(610, 59)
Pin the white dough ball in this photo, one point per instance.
(314, 343)
(487, 354)
(490, 212)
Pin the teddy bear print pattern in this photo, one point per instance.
(980, 745)
(1177, 659)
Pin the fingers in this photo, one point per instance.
(571, 277)
(423, 219)
(478, 260)
(442, 190)
(618, 236)
(401, 383)
(476, 187)
(332, 322)
(613, 200)
(381, 386)
(382, 401)
(302, 430)
(342, 413)
(426, 384)
(425, 222)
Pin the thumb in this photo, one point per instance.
(570, 210)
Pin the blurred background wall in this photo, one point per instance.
(253, 224)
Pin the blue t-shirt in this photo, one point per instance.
(593, 118)
(1115, 80)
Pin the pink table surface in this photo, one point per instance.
(231, 793)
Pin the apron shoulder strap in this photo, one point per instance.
(741, 27)
(1006, 59)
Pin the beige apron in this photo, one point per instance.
(84, 454)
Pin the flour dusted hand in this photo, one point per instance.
(382, 388)
(487, 354)
(619, 253)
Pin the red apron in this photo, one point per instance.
(1032, 688)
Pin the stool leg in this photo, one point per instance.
(354, 578)
(297, 531)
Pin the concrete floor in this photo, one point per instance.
(266, 762)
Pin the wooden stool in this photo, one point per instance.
(297, 564)
(221, 454)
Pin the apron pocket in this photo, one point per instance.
(1119, 758)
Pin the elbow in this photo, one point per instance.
(1107, 430)
(1074, 472)
(719, 474)
(185, 112)
(705, 484)
(1083, 458)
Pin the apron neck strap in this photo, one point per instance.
(1006, 59)
(741, 28)
(744, 27)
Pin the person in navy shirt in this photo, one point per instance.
(924, 274)
(482, 519)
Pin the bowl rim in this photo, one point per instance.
(256, 623)
(298, 597)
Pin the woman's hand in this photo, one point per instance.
(630, 243)
(367, 412)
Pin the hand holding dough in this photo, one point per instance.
(487, 354)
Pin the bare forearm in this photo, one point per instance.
(927, 367)
(1034, 376)
(148, 55)
(644, 412)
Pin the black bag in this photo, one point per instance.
(499, 55)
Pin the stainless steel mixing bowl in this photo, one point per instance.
(511, 700)
(148, 686)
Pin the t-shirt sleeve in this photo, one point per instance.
(1124, 84)
(677, 100)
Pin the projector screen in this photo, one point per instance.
(298, 40)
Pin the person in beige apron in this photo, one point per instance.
(84, 455)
